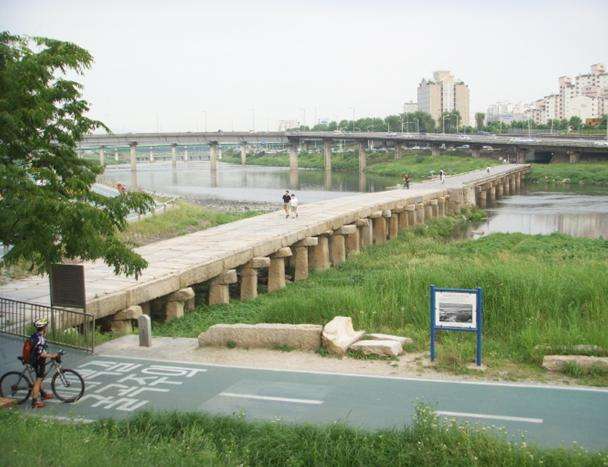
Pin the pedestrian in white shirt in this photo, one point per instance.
(293, 205)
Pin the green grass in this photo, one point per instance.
(199, 439)
(539, 290)
(419, 166)
(581, 173)
(182, 219)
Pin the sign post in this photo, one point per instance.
(67, 285)
(457, 310)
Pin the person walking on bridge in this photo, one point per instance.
(286, 200)
(293, 205)
(442, 175)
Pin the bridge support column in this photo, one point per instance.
(362, 157)
(133, 156)
(102, 156)
(410, 211)
(116, 155)
(186, 154)
(293, 156)
(151, 155)
(420, 213)
(337, 249)
(403, 220)
(218, 289)
(428, 211)
(379, 227)
(173, 156)
(393, 225)
(476, 152)
(505, 185)
(327, 144)
(492, 194)
(213, 147)
(434, 150)
(518, 181)
(366, 237)
(243, 153)
(481, 198)
(521, 154)
(301, 257)
(512, 189)
(320, 254)
(574, 157)
(435, 207)
(351, 237)
(398, 151)
(276, 271)
(249, 277)
(499, 190)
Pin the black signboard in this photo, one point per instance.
(67, 285)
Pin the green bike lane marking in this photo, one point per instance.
(118, 387)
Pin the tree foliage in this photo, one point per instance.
(48, 212)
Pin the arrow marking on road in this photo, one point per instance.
(269, 398)
(490, 417)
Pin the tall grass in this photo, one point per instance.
(198, 439)
(581, 173)
(538, 290)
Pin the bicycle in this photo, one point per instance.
(67, 384)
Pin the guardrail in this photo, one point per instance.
(69, 328)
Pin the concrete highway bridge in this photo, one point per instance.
(268, 249)
(519, 148)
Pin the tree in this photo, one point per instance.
(575, 123)
(479, 119)
(48, 212)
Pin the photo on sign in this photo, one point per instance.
(456, 310)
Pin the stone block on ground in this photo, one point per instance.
(259, 262)
(144, 323)
(263, 335)
(173, 310)
(558, 362)
(388, 337)
(339, 335)
(121, 326)
(388, 348)
(181, 295)
(133, 312)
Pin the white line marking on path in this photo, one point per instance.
(61, 418)
(357, 375)
(489, 417)
(269, 398)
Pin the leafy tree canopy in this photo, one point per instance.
(48, 212)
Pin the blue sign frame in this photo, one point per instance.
(477, 327)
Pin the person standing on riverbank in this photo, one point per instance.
(293, 205)
(286, 200)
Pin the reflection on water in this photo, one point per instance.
(544, 212)
(581, 212)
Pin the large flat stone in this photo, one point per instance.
(263, 335)
(389, 348)
(389, 337)
(339, 335)
(558, 362)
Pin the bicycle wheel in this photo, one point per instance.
(16, 386)
(67, 385)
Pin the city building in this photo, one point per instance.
(505, 112)
(444, 93)
(410, 107)
(584, 96)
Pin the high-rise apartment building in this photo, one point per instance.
(442, 94)
(505, 112)
(584, 96)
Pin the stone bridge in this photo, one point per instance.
(229, 260)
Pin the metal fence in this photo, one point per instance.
(69, 328)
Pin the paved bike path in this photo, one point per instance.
(118, 387)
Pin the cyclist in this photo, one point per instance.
(38, 358)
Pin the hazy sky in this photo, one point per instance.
(160, 64)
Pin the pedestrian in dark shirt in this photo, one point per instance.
(38, 359)
(286, 200)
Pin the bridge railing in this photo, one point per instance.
(69, 328)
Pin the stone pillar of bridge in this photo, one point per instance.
(327, 144)
(301, 257)
(512, 187)
(518, 181)
(398, 151)
(293, 155)
(243, 153)
(249, 277)
(379, 227)
(362, 157)
(319, 259)
(218, 289)
(393, 225)
(481, 197)
(499, 189)
(443, 201)
(102, 156)
(434, 150)
(403, 220)
(186, 154)
(276, 271)
(173, 156)
(476, 151)
(133, 156)
(428, 210)
(420, 213)
(410, 212)
(366, 237)
(351, 238)
(505, 185)
(116, 155)
(492, 194)
(574, 156)
(435, 207)
(213, 153)
(337, 248)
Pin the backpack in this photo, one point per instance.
(26, 351)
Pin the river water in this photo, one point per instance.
(581, 212)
